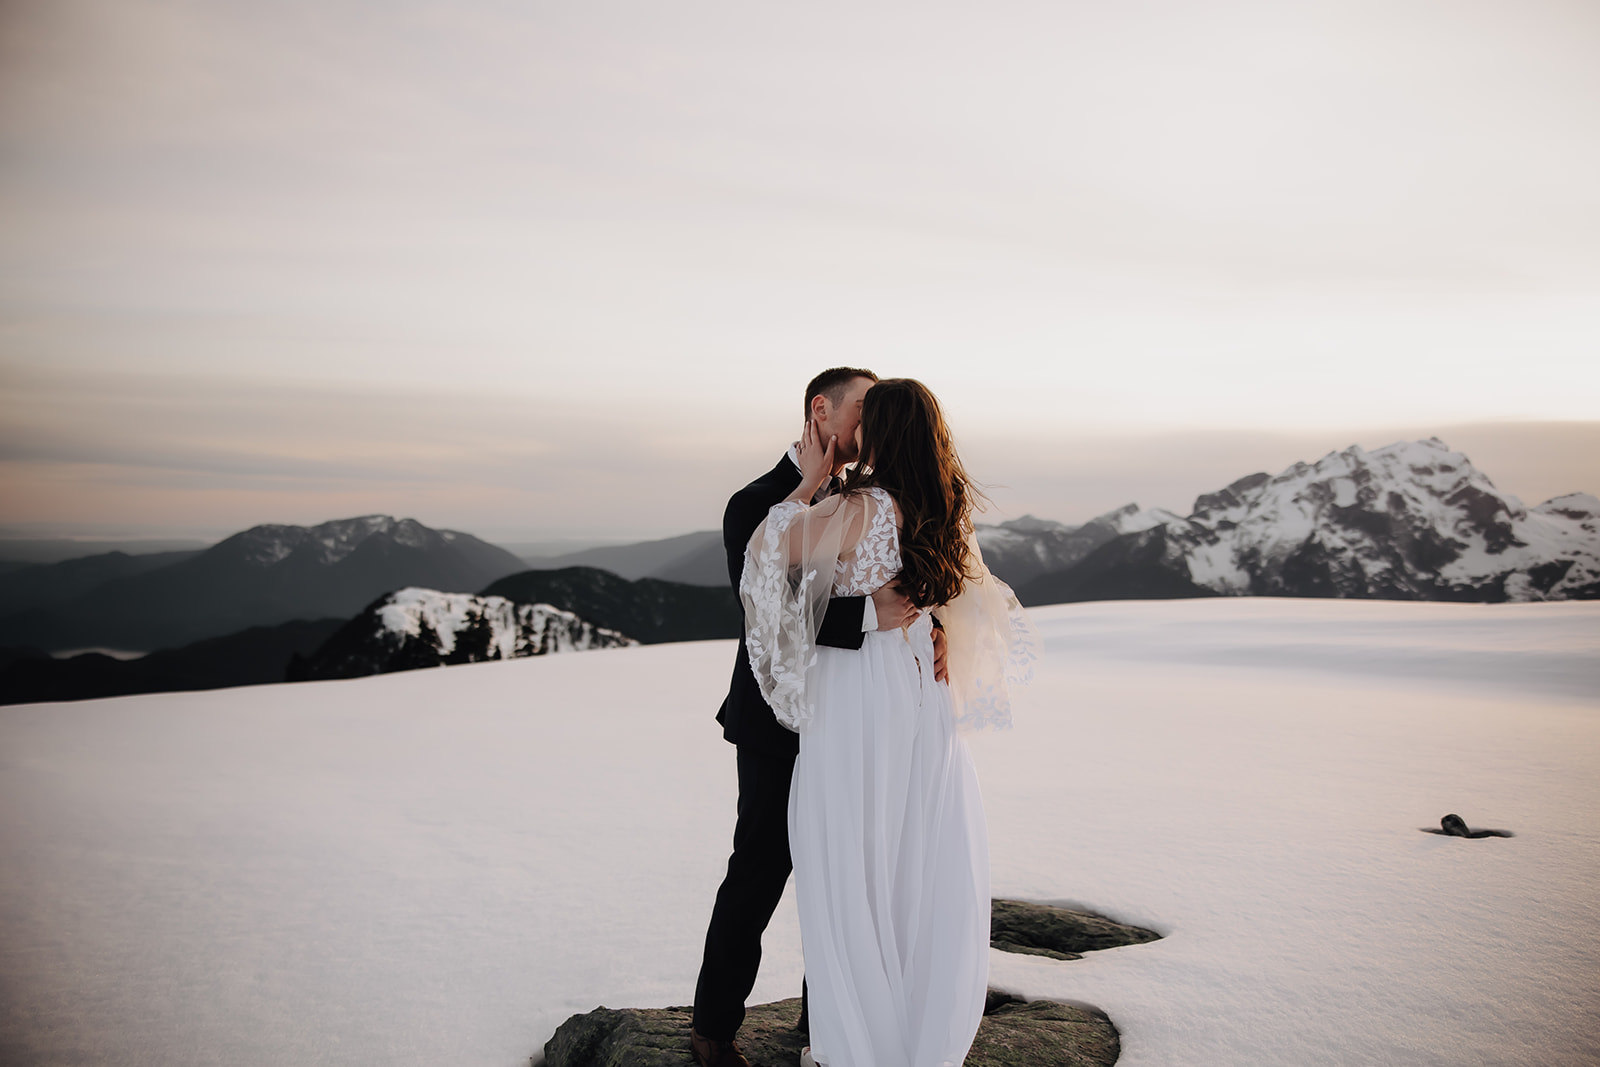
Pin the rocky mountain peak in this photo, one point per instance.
(1417, 493)
(1131, 518)
(1411, 520)
(329, 542)
(1237, 494)
(1583, 508)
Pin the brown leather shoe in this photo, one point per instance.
(709, 1053)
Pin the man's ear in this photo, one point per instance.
(819, 407)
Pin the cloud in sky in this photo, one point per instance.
(525, 263)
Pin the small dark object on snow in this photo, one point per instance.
(1456, 826)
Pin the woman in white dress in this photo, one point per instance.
(886, 823)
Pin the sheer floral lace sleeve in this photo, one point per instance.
(794, 560)
(992, 645)
(849, 545)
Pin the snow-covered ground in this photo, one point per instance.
(438, 867)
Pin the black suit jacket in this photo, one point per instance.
(746, 717)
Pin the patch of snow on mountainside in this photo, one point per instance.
(411, 533)
(1410, 520)
(416, 628)
(513, 630)
(268, 544)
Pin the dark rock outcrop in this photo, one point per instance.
(1013, 1033)
(1456, 826)
(1042, 1033)
(1060, 933)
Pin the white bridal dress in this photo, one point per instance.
(886, 823)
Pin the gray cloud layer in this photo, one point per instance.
(187, 460)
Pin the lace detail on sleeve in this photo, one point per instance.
(775, 635)
(993, 646)
(875, 560)
(789, 570)
(801, 556)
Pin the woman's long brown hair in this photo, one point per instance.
(906, 449)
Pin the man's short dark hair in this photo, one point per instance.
(832, 383)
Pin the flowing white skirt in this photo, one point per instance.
(891, 861)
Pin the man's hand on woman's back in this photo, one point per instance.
(894, 610)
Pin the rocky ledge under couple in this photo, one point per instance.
(1012, 1033)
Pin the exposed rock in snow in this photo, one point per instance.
(414, 628)
(1012, 1031)
(1410, 521)
(1059, 933)
(1040, 1032)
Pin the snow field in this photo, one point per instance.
(440, 866)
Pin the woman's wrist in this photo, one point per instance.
(804, 493)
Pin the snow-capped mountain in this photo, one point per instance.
(1410, 521)
(413, 628)
(1022, 549)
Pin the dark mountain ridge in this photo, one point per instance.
(29, 551)
(692, 559)
(649, 610)
(263, 576)
(256, 656)
(51, 585)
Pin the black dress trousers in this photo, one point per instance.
(757, 872)
(760, 864)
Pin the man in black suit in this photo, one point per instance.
(760, 866)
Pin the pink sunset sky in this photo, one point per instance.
(547, 271)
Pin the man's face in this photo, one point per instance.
(842, 419)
